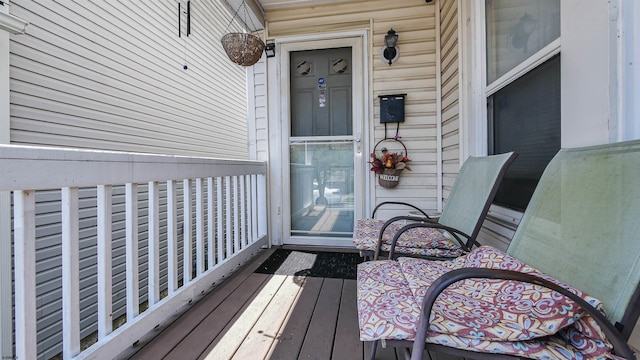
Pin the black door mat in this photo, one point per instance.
(311, 263)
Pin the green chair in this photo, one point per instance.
(568, 281)
(455, 232)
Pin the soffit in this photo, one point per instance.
(280, 4)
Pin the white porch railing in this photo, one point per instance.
(227, 198)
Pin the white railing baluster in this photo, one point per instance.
(236, 216)
(172, 236)
(153, 244)
(70, 273)
(220, 216)
(250, 204)
(187, 256)
(131, 215)
(228, 228)
(199, 227)
(254, 208)
(6, 286)
(262, 208)
(243, 211)
(210, 225)
(24, 219)
(105, 282)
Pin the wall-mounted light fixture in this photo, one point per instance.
(390, 51)
(270, 50)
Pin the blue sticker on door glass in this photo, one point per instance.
(322, 99)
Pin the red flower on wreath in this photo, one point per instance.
(388, 161)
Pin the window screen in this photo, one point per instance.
(524, 117)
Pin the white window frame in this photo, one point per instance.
(474, 112)
(626, 31)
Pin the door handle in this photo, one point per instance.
(358, 142)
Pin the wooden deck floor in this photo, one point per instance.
(258, 316)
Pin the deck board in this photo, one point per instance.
(232, 336)
(318, 342)
(347, 343)
(171, 337)
(259, 316)
(266, 330)
(214, 322)
(293, 333)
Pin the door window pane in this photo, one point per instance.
(525, 117)
(321, 86)
(322, 186)
(517, 29)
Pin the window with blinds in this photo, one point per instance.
(523, 90)
(524, 117)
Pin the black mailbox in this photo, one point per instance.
(392, 108)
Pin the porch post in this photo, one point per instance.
(15, 25)
(6, 316)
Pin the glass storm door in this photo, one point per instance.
(321, 147)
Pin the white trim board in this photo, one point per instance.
(11, 23)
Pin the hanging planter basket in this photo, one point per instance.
(389, 165)
(242, 48)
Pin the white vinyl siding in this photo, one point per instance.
(258, 126)
(499, 227)
(414, 74)
(109, 76)
(450, 80)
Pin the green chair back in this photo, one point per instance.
(473, 192)
(582, 225)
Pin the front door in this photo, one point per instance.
(322, 150)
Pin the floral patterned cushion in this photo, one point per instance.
(417, 241)
(432, 252)
(386, 306)
(552, 347)
(488, 315)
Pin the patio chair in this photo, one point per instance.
(455, 232)
(574, 258)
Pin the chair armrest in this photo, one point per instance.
(620, 346)
(373, 213)
(454, 232)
